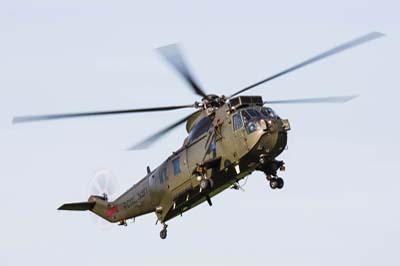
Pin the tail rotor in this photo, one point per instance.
(105, 185)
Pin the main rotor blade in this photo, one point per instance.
(150, 140)
(363, 39)
(24, 119)
(335, 99)
(173, 55)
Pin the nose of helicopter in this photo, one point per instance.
(271, 139)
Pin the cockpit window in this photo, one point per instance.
(268, 112)
(246, 117)
(251, 122)
(254, 113)
(199, 129)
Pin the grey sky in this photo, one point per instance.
(340, 202)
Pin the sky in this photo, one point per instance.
(340, 201)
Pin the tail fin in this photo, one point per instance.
(96, 204)
(79, 206)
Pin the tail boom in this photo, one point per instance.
(104, 209)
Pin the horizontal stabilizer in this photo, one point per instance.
(79, 206)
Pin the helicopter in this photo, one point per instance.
(229, 137)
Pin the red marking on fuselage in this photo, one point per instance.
(111, 211)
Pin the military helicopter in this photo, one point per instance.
(229, 137)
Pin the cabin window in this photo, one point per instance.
(199, 129)
(237, 122)
(177, 166)
(162, 176)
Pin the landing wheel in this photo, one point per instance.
(273, 183)
(163, 234)
(281, 183)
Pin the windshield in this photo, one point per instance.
(254, 113)
(268, 112)
(251, 117)
(251, 121)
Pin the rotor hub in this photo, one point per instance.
(212, 102)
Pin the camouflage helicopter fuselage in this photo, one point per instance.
(229, 138)
(222, 147)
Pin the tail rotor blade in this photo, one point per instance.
(103, 184)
